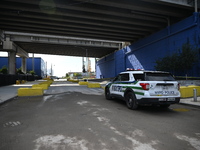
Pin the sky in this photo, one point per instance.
(61, 64)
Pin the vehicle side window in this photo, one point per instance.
(122, 77)
(117, 78)
(139, 77)
(125, 77)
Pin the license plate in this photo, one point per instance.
(167, 99)
(171, 99)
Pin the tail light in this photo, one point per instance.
(145, 86)
(179, 86)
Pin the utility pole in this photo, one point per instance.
(33, 67)
(195, 6)
(51, 70)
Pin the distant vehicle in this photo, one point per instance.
(54, 77)
(140, 87)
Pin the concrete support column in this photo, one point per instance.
(14, 50)
(12, 62)
(24, 65)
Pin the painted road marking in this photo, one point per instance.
(11, 124)
(106, 122)
(60, 142)
(194, 142)
(181, 109)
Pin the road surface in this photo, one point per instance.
(73, 117)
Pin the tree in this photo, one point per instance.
(188, 57)
(77, 75)
(4, 70)
(32, 72)
(67, 75)
(19, 71)
(181, 61)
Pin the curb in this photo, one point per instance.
(8, 100)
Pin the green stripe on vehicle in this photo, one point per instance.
(138, 93)
(133, 87)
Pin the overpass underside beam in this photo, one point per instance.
(1, 37)
(63, 40)
(179, 2)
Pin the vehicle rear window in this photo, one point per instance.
(150, 76)
(139, 77)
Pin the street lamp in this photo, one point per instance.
(52, 69)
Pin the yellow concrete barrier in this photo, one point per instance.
(30, 91)
(73, 80)
(93, 85)
(23, 81)
(48, 83)
(44, 86)
(187, 91)
(83, 83)
(17, 81)
(195, 87)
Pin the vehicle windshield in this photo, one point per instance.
(151, 76)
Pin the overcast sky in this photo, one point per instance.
(61, 64)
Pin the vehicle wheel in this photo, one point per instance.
(107, 94)
(131, 101)
(165, 106)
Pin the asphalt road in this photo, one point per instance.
(67, 119)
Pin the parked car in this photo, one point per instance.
(140, 87)
(54, 77)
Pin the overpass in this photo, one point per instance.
(61, 27)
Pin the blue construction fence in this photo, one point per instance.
(144, 53)
(39, 65)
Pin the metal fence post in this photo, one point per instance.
(195, 95)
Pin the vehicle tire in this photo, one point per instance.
(107, 94)
(131, 101)
(165, 106)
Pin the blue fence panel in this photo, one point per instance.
(18, 62)
(105, 68)
(120, 61)
(3, 62)
(39, 65)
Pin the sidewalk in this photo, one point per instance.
(190, 101)
(10, 91)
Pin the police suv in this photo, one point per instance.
(140, 87)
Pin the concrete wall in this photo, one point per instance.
(144, 53)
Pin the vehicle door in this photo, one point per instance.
(118, 83)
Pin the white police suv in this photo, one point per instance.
(140, 87)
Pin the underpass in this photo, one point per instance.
(70, 116)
